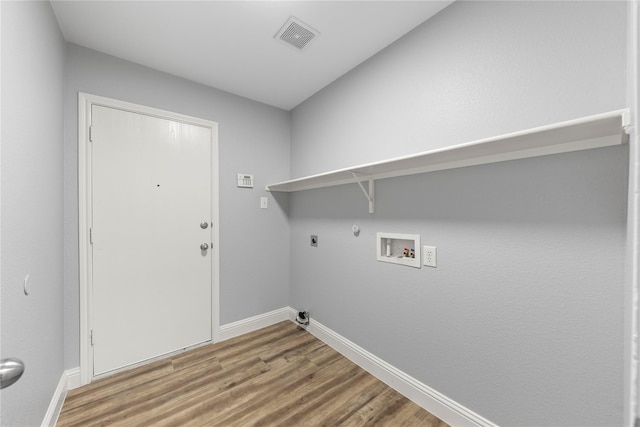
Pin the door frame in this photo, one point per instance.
(85, 102)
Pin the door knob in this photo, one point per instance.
(11, 370)
(204, 225)
(204, 246)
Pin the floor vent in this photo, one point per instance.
(296, 33)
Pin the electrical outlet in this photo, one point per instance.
(429, 255)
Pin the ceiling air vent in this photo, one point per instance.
(296, 33)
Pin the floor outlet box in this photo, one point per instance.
(430, 256)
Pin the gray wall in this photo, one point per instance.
(523, 319)
(479, 69)
(253, 138)
(32, 194)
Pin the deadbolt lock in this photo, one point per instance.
(204, 225)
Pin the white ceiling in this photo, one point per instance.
(230, 45)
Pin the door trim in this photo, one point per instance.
(85, 102)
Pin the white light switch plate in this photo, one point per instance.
(264, 203)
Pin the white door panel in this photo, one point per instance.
(151, 190)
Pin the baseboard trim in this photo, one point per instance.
(69, 380)
(254, 323)
(73, 378)
(438, 404)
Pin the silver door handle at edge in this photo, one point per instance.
(204, 246)
(11, 369)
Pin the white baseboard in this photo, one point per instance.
(69, 380)
(254, 323)
(73, 378)
(438, 404)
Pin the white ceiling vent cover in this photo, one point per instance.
(296, 33)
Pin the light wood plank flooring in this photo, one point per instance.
(280, 375)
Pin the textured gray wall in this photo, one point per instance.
(253, 138)
(523, 319)
(478, 69)
(32, 194)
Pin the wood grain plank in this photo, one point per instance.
(280, 375)
(183, 398)
(333, 411)
(276, 407)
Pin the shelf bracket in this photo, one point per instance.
(370, 195)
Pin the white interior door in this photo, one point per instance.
(151, 200)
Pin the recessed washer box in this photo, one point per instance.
(396, 248)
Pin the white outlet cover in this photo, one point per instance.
(430, 256)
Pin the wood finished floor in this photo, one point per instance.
(280, 376)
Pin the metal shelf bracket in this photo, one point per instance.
(370, 195)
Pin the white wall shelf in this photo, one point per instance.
(596, 131)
